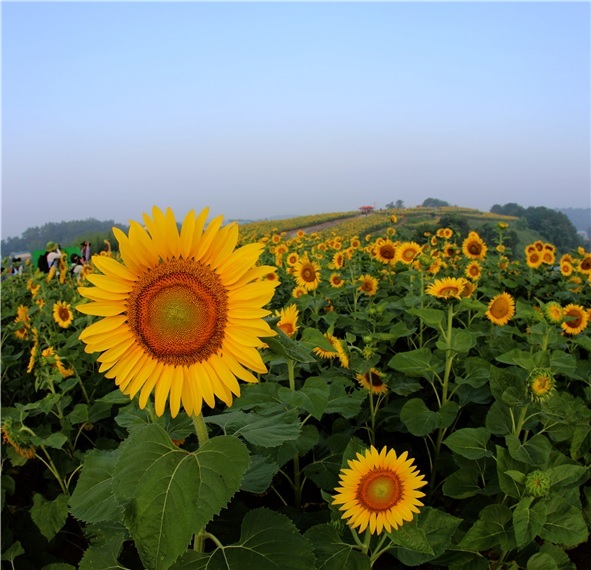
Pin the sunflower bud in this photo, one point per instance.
(541, 384)
(537, 483)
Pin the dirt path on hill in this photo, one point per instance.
(320, 227)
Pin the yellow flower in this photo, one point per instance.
(369, 285)
(379, 491)
(62, 314)
(575, 319)
(407, 251)
(299, 291)
(372, 381)
(473, 270)
(501, 309)
(288, 319)
(473, 246)
(336, 280)
(385, 251)
(534, 259)
(553, 312)
(447, 287)
(182, 313)
(541, 384)
(307, 273)
(585, 264)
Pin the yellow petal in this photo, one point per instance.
(109, 283)
(98, 294)
(186, 236)
(162, 389)
(245, 355)
(129, 255)
(176, 389)
(223, 245)
(225, 374)
(102, 309)
(142, 243)
(198, 234)
(208, 236)
(146, 368)
(104, 325)
(150, 383)
(239, 262)
(206, 379)
(109, 266)
(238, 370)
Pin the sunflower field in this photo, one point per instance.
(342, 400)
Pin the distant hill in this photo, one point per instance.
(580, 218)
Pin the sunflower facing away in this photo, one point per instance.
(379, 491)
(62, 314)
(182, 314)
(288, 320)
(501, 309)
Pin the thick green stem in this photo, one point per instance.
(521, 420)
(366, 542)
(297, 485)
(202, 437)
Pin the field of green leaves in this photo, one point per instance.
(352, 399)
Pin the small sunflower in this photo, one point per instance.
(299, 291)
(379, 490)
(501, 309)
(566, 268)
(336, 280)
(369, 285)
(182, 313)
(447, 287)
(473, 270)
(385, 251)
(62, 314)
(575, 319)
(372, 381)
(292, 259)
(541, 384)
(307, 273)
(407, 251)
(534, 259)
(288, 320)
(473, 247)
(336, 344)
(553, 312)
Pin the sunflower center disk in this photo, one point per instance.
(379, 490)
(500, 308)
(178, 311)
(308, 274)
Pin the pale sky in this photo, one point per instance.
(273, 109)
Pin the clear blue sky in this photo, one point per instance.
(268, 109)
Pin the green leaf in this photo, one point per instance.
(528, 520)
(562, 363)
(560, 556)
(410, 537)
(268, 541)
(565, 475)
(564, 523)
(489, 530)
(332, 553)
(433, 318)
(169, 494)
(448, 414)
(498, 419)
(78, 415)
(344, 403)
(462, 484)
(477, 372)
(518, 357)
(501, 379)
(103, 556)
(439, 528)
(418, 419)
(93, 499)
(14, 550)
(265, 431)
(506, 467)
(419, 363)
(541, 561)
(311, 397)
(259, 475)
(49, 516)
(314, 338)
(462, 340)
(535, 451)
(289, 349)
(469, 442)
(55, 440)
(59, 566)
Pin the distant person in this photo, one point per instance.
(51, 256)
(85, 251)
(77, 265)
(16, 268)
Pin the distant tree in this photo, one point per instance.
(554, 226)
(399, 204)
(510, 209)
(434, 203)
(389, 205)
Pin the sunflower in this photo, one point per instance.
(307, 273)
(407, 251)
(292, 259)
(372, 381)
(379, 491)
(22, 315)
(548, 257)
(338, 260)
(585, 264)
(566, 268)
(385, 251)
(183, 313)
(473, 246)
(534, 259)
(501, 309)
(336, 280)
(541, 384)
(473, 270)
(553, 312)
(55, 361)
(575, 319)
(336, 344)
(447, 287)
(299, 291)
(19, 439)
(288, 319)
(62, 314)
(369, 285)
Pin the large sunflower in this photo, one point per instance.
(501, 309)
(473, 247)
(575, 319)
(307, 273)
(62, 314)
(385, 251)
(379, 491)
(182, 314)
(407, 251)
(447, 287)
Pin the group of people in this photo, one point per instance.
(53, 254)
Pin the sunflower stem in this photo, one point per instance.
(297, 486)
(366, 542)
(200, 429)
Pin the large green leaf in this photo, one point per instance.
(410, 537)
(93, 499)
(265, 431)
(419, 363)
(268, 541)
(490, 530)
(565, 475)
(104, 556)
(433, 318)
(439, 528)
(418, 418)
(535, 451)
(564, 523)
(343, 402)
(462, 340)
(170, 494)
(49, 516)
(463, 483)
(332, 553)
(289, 349)
(528, 520)
(311, 397)
(469, 442)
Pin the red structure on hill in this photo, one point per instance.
(366, 209)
